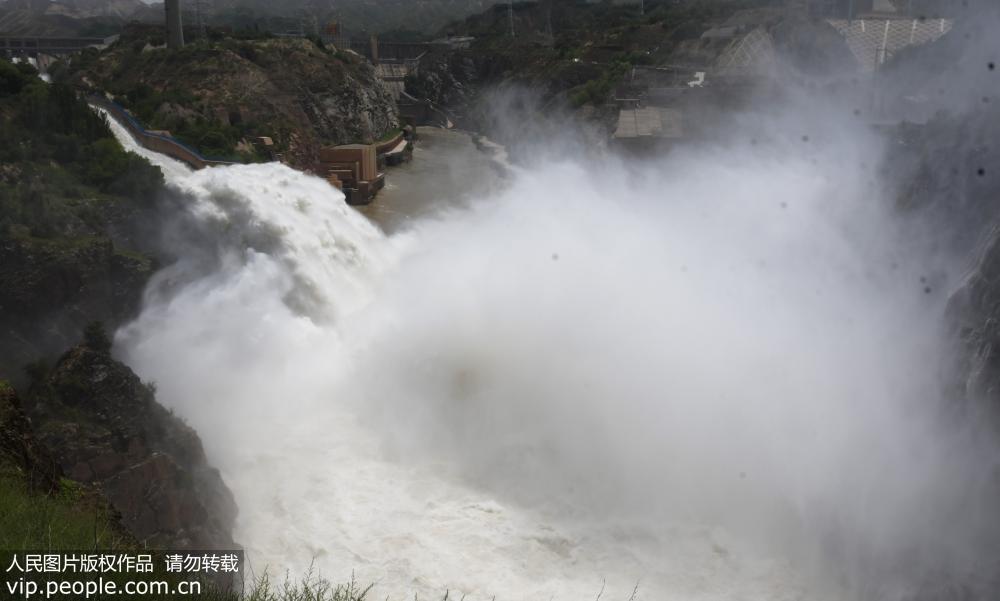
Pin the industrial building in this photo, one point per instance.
(354, 169)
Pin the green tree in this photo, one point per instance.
(95, 338)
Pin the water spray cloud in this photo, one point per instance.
(714, 372)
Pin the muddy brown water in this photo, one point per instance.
(449, 169)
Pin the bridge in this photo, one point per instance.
(11, 46)
(376, 50)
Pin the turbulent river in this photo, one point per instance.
(703, 378)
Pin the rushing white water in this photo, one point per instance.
(708, 377)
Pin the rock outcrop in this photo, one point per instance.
(106, 430)
(975, 312)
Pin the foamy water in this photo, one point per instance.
(705, 382)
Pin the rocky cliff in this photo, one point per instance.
(220, 95)
(949, 180)
(106, 430)
(975, 310)
(947, 168)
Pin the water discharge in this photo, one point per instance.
(711, 376)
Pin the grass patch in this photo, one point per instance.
(65, 521)
(34, 522)
(310, 588)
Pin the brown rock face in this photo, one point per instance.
(107, 430)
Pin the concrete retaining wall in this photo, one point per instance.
(156, 142)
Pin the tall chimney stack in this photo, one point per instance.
(175, 29)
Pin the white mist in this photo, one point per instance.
(715, 377)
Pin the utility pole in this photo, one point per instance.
(510, 16)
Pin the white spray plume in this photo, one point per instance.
(716, 374)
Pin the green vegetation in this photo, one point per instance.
(212, 138)
(209, 115)
(96, 338)
(37, 522)
(597, 91)
(69, 521)
(47, 123)
(392, 133)
(61, 170)
(309, 588)
(71, 200)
